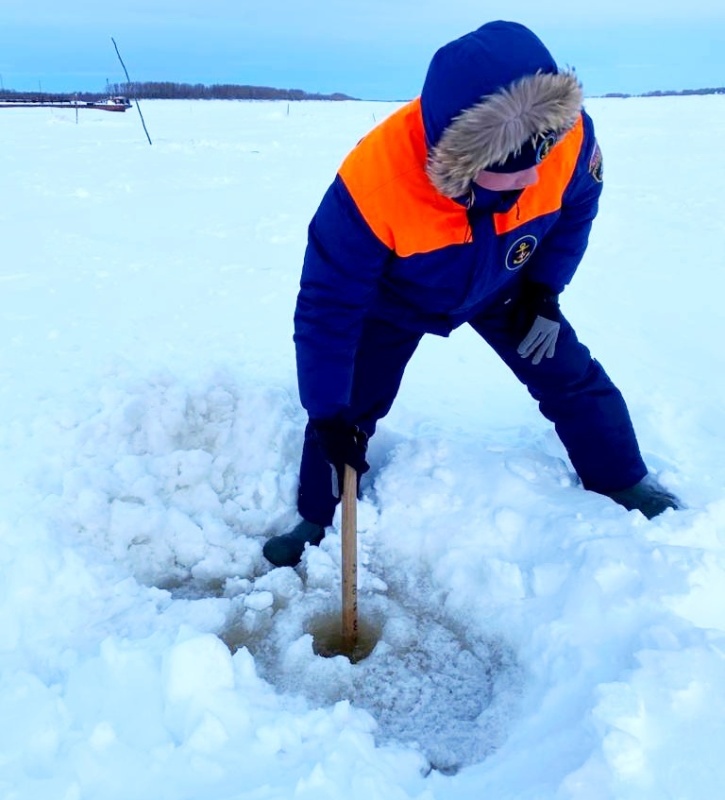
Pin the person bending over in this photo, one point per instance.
(470, 204)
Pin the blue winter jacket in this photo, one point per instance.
(385, 243)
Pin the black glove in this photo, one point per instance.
(542, 306)
(541, 301)
(341, 443)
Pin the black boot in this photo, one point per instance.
(286, 550)
(647, 496)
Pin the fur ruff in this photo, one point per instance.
(498, 126)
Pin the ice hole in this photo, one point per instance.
(328, 642)
(447, 692)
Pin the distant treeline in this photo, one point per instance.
(198, 91)
(666, 93)
(50, 97)
(167, 90)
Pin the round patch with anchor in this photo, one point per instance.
(520, 252)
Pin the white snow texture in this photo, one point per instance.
(533, 641)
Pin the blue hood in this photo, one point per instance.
(477, 65)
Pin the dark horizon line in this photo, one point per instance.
(175, 90)
(179, 90)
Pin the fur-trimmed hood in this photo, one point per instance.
(487, 97)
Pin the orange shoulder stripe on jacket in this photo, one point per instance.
(545, 196)
(385, 174)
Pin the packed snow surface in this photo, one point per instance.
(532, 641)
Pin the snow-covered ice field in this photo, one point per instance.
(534, 641)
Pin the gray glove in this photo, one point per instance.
(540, 341)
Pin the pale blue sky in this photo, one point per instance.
(375, 49)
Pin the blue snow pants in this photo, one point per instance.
(572, 389)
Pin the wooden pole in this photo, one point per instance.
(349, 561)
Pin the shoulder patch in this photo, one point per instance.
(596, 168)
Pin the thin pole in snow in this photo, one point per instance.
(128, 80)
(349, 562)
